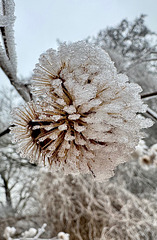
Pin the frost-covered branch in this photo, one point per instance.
(7, 48)
(7, 130)
(8, 61)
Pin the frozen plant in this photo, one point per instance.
(89, 209)
(84, 118)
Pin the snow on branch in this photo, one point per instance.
(8, 52)
(8, 60)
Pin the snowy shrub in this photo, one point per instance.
(92, 210)
(85, 117)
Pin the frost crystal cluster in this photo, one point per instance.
(85, 117)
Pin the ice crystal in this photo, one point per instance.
(85, 117)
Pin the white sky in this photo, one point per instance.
(40, 22)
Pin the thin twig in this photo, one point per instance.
(6, 131)
(148, 95)
(152, 113)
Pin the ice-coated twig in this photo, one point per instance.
(40, 231)
(5, 131)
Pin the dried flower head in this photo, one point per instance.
(86, 119)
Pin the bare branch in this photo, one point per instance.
(6, 131)
(148, 95)
(150, 60)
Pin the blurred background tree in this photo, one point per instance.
(18, 191)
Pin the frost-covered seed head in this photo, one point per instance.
(86, 119)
